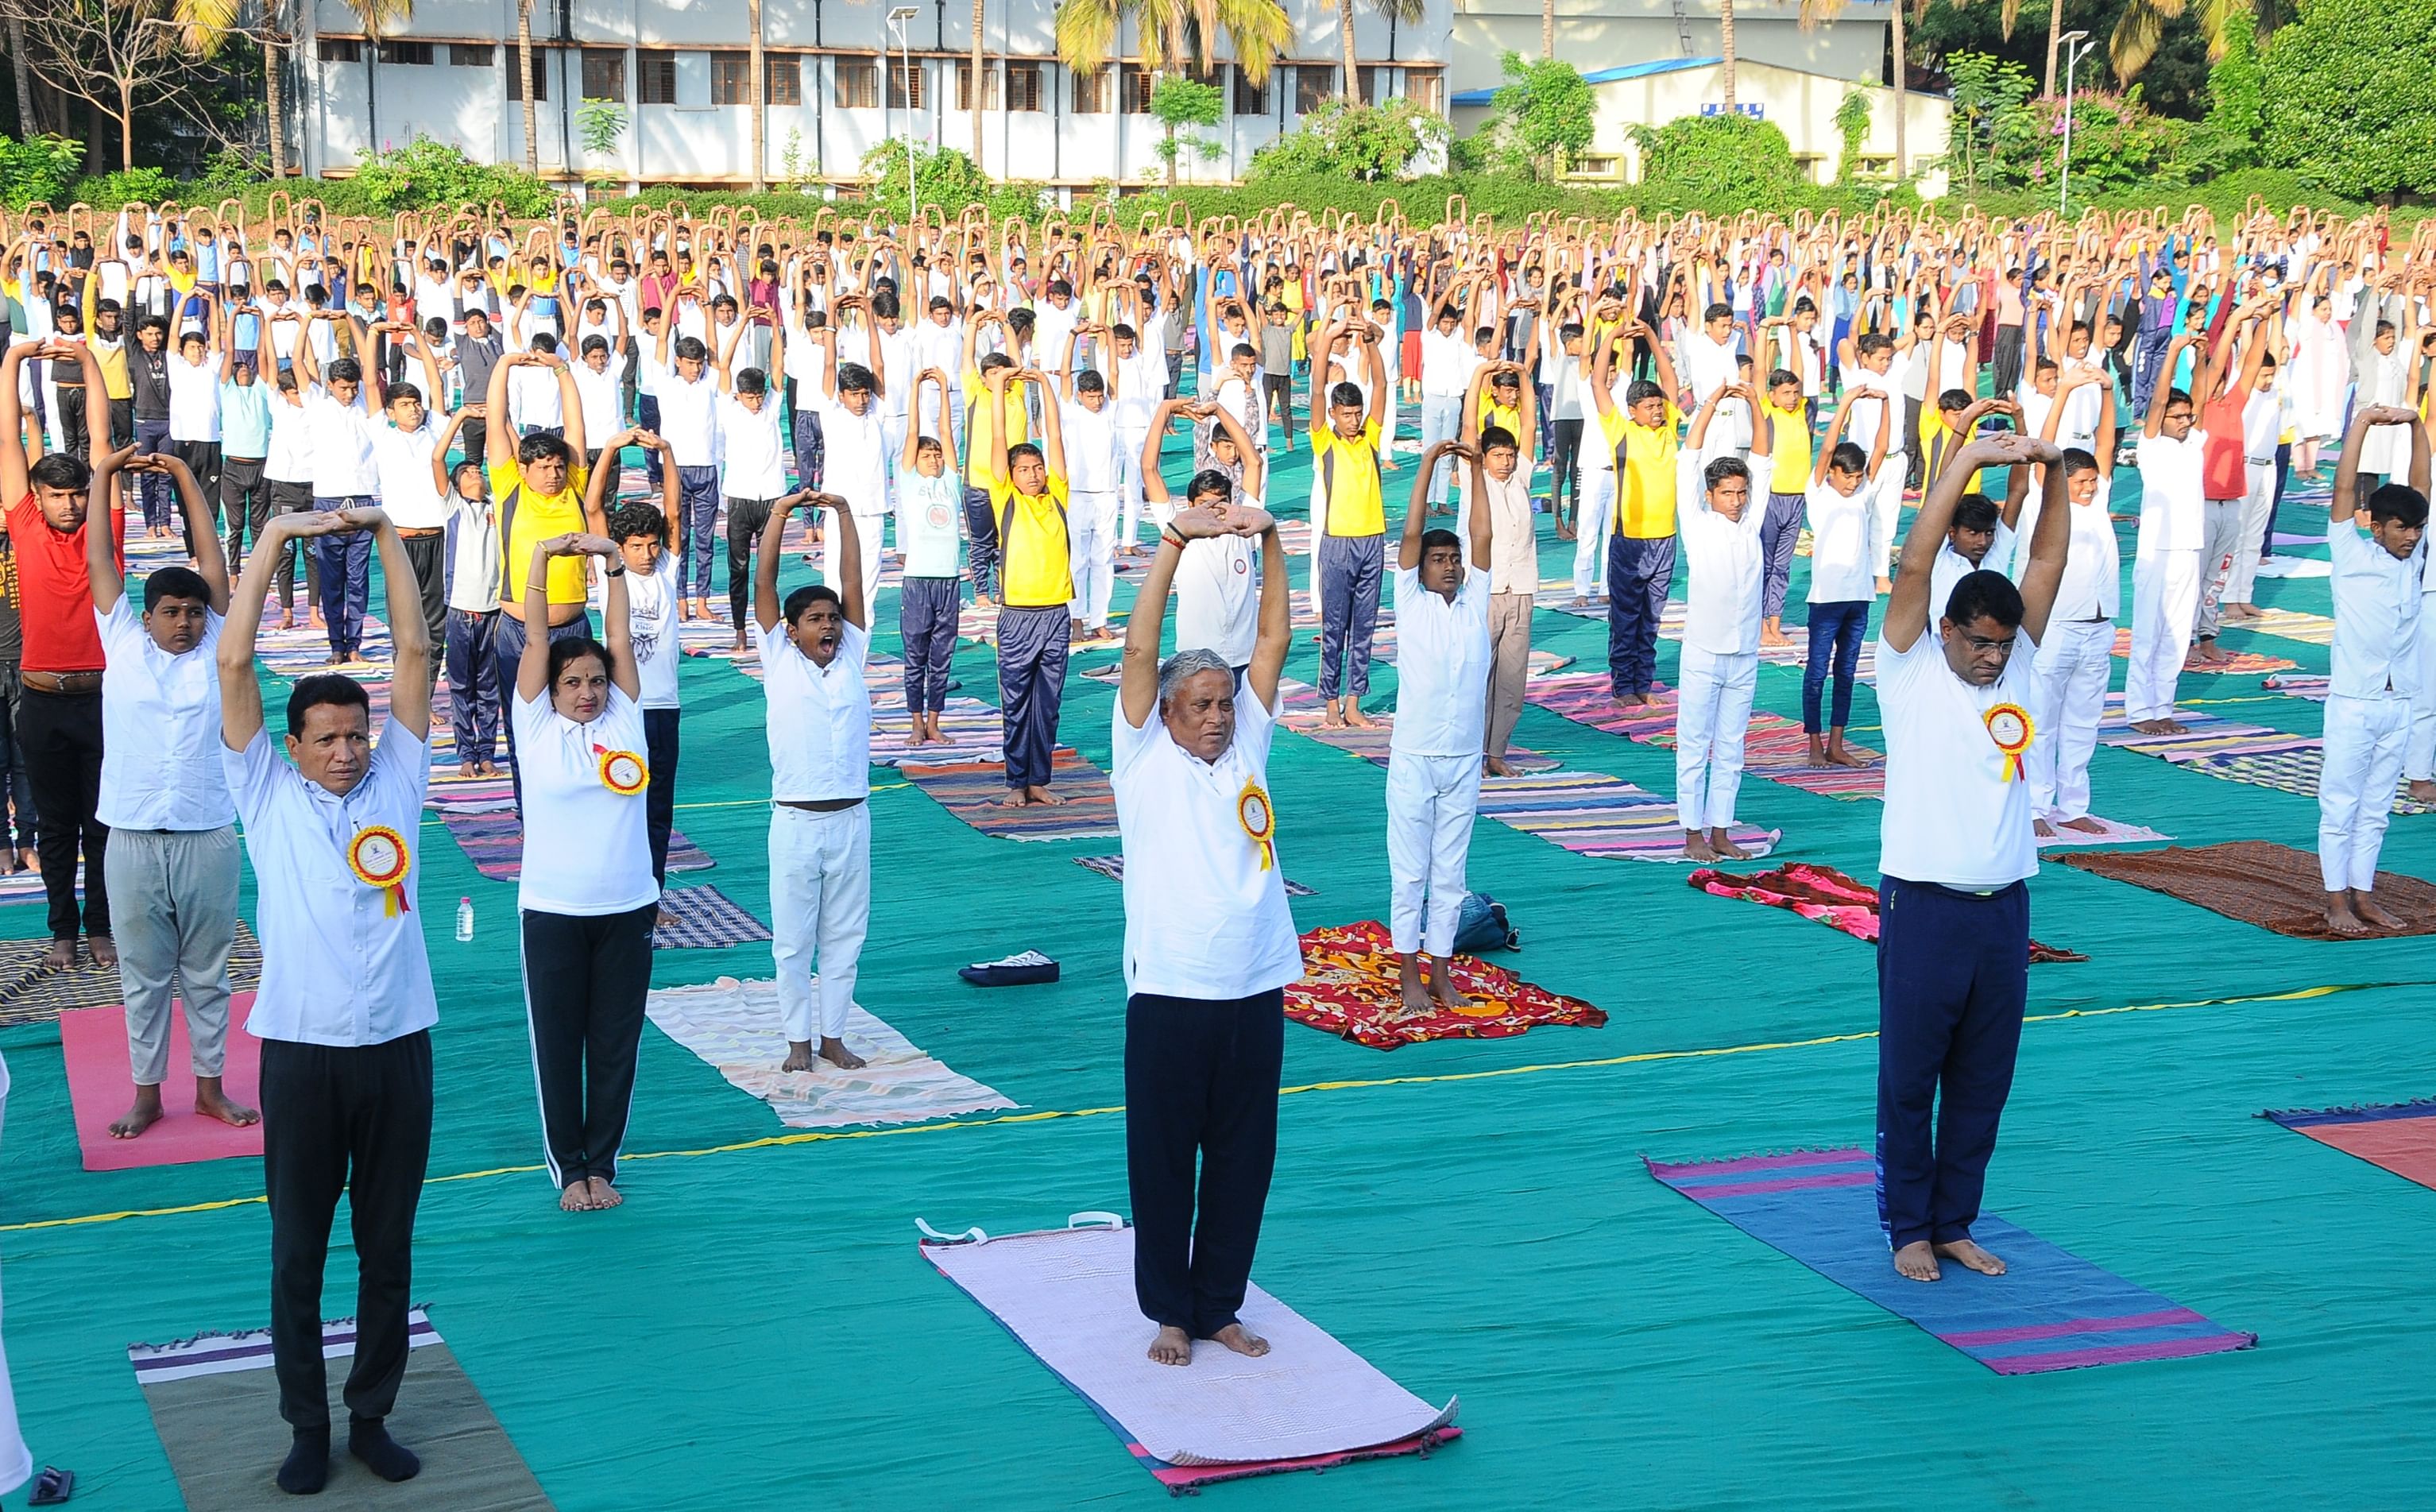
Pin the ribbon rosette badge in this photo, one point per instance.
(1252, 812)
(623, 772)
(378, 857)
(2009, 725)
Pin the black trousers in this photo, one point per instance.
(746, 519)
(122, 423)
(428, 556)
(585, 978)
(245, 499)
(62, 734)
(660, 800)
(355, 1119)
(981, 531)
(290, 498)
(75, 437)
(1565, 466)
(1201, 1080)
(202, 459)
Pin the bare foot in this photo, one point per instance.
(576, 1196)
(1724, 845)
(1038, 793)
(212, 1102)
(1838, 756)
(605, 1196)
(1917, 1261)
(464, 769)
(1016, 798)
(2340, 917)
(1415, 991)
(1816, 757)
(1442, 987)
(1335, 718)
(2086, 823)
(834, 1052)
(2422, 791)
(2364, 903)
(2043, 829)
(485, 768)
(1236, 1337)
(1887, 585)
(1171, 1347)
(1354, 717)
(665, 920)
(103, 949)
(1696, 847)
(1768, 637)
(143, 1113)
(1971, 1256)
(799, 1056)
(60, 956)
(1496, 767)
(1565, 532)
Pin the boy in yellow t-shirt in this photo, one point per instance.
(1787, 416)
(987, 425)
(1641, 557)
(1349, 523)
(1027, 501)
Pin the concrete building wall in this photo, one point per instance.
(1596, 34)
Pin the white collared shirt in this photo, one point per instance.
(2172, 507)
(2093, 570)
(1952, 816)
(1218, 596)
(1204, 919)
(598, 395)
(855, 467)
(1447, 363)
(819, 717)
(689, 418)
(402, 462)
(1513, 543)
(1092, 449)
(587, 850)
(194, 397)
(1722, 616)
(1952, 566)
(340, 437)
(1441, 666)
(159, 728)
(337, 966)
(473, 582)
(2377, 620)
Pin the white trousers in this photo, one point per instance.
(1441, 417)
(1091, 547)
(2164, 601)
(2419, 755)
(1885, 516)
(820, 905)
(1129, 481)
(2257, 503)
(1594, 523)
(1430, 801)
(2356, 786)
(1713, 714)
(870, 534)
(1388, 422)
(2074, 664)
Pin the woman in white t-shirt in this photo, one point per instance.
(587, 895)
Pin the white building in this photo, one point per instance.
(840, 78)
(1600, 34)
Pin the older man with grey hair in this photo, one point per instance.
(1209, 947)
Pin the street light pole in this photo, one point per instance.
(2076, 45)
(897, 19)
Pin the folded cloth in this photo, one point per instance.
(1024, 971)
(1825, 895)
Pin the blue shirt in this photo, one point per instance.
(245, 419)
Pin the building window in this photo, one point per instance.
(1426, 88)
(783, 81)
(406, 52)
(655, 77)
(1136, 91)
(1091, 93)
(964, 86)
(1315, 86)
(604, 74)
(731, 78)
(341, 50)
(904, 84)
(1250, 98)
(858, 83)
(472, 55)
(1023, 87)
(1366, 80)
(540, 74)
(1590, 168)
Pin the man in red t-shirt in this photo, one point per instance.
(59, 721)
(2224, 466)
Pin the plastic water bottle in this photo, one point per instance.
(464, 918)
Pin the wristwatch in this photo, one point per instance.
(617, 569)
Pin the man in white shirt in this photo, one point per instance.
(409, 493)
(1501, 486)
(854, 446)
(345, 477)
(1210, 948)
(1720, 526)
(345, 1009)
(1954, 945)
(171, 865)
(1446, 366)
(1217, 585)
(2077, 656)
(195, 415)
(1433, 765)
(2166, 568)
(2376, 667)
(1095, 474)
(1136, 381)
(820, 776)
(688, 420)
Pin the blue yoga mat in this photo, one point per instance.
(2050, 1310)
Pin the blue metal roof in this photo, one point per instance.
(1607, 76)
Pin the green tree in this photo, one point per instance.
(1853, 125)
(1544, 109)
(1728, 159)
(2350, 90)
(1367, 143)
(1991, 114)
(1179, 101)
(40, 167)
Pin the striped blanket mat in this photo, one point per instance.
(971, 790)
(705, 918)
(2293, 624)
(2237, 753)
(1774, 747)
(493, 841)
(1593, 814)
(2247, 662)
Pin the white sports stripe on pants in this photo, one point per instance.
(1091, 547)
(2356, 786)
(2074, 664)
(1430, 801)
(1713, 714)
(2165, 601)
(820, 904)
(2419, 754)
(2257, 503)
(870, 534)
(1592, 524)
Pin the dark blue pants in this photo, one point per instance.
(2148, 366)
(1835, 629)
(812, 449)
(1201, 1081)
(507, 649)
(647, 416)
(1350, 567)
(698, 497)
(1640, 570)
(660, 799)
(981, 540)
(153, 490)
(925, 619)
(473, 683)
(1031, 682)
(1953, 978)
(1779, 530)
(346, 575)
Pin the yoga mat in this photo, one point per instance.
(706, 918)
(1068, 1297)
(1300, 709)
(1350, 988)
(2050, 1311)
(1593, 814)
(30, 993)
(101, 1084)
(214, 1402)
(1774, 747)
(2113, 834)
(734, 1026)
(2315, 687)
(1825, 895)
(1796, 652)
(2293, 624)
(2295, 770)
(1113, 868)
(493, 841)
(971, 790)
(2242, 661)
(2247, 754)
(2401, 1137)
(2271, 886)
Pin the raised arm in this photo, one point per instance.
(241, 689)
(100, 559)
(1408, 546)
(2051, 539)
(1378, 370)
(616, 617)
(1483, 517)
(2347, 500)
(210, 563)
(499, 437)
(1908, 606)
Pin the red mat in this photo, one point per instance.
(99, 1088)
(2401, 1137)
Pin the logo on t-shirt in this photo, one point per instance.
(938, 517)
(1242, 566)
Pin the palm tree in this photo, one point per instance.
(1172, 32)
(761, 104)
(26, 129)
(1547, 29)
(2142, 27)
(2055, 39)
(978, 95)
(524, 85)
(1726, 39)
(1817, 13)
(1406, 12)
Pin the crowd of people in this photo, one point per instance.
(1004, 409)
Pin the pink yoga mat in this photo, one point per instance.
(99, 1088)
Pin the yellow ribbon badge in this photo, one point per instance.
(623, 772)
(2010, 726)
(378, 857)
(1259, 823)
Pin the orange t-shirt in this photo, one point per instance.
(52, 589)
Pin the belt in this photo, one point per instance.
(425, 534)
(61, 682)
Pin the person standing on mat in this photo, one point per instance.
(345, 1008)
(1724, 528)
(2377, 631)
(820, 774)
(173, 859)
(1844, 556)
(1036, 586)
(1433, 765)
(1349, 525)
(59, 717)
(929, 594)
(586, 900)
(2166, 563)
(1955, 855)
(1641, 555)
(2077, 656)
(1210, 946)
